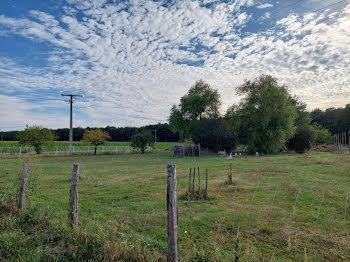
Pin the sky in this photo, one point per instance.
(132, 60)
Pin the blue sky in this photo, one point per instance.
(132, 60)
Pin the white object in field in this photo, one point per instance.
(256, 154)
(229, 157)
(222, 153)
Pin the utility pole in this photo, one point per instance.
(70, 101)
(155, 135)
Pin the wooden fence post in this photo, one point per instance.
(230, 173)
(189, 180)
(193, 180)
(24, 184)
(172, 216)
(74, 196)
(206, 181)
(199, 181)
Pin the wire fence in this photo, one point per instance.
(65, 149)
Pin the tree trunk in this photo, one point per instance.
(95, 149)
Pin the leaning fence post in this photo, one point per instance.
(74, 196)
(172, 214)
(24, 184)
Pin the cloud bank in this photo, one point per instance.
(134, 60)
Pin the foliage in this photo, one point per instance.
(214, 134)
(178, 123)
(200, 101)
(121, 134)
(322, 135)
(142, 140)
(302, 140)
(35, 136)
(336, 120)
(96, 137)
(267, 114)
(304, 136)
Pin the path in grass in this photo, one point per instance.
(252, 219)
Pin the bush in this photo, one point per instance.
(322, 135)
(302, 140)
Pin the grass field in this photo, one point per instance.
(281, 208)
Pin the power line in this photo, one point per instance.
(326, 6)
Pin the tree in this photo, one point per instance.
(215, 134)
(302, 140)
(35, 136)
(200, 101)
(142, 140)
(96, 137)
(178, 123)
(267, 114)
(322, 135)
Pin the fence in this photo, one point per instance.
(260, 197)
(65, 149)
(342, 143)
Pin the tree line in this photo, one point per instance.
(117, 134)
(268, 119)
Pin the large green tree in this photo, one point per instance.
(267, 114)
(35, 136)
(200, 102)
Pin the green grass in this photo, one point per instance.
(158, 145)
(124, 197)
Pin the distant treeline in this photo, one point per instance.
(336, 120)
(118, 134)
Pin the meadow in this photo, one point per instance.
(285, 207)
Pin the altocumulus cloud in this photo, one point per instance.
(133, 60)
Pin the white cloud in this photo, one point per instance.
(132, 66)
(262, 6)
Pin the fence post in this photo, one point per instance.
(199, 181)
(74, 196)
(189, 180)
(206, 181)
(24, 184)
(231, 173)
(194, 177)
(172, 214)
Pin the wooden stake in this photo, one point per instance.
(230, 173)
(189, 180)
(194, 176)
(206, 181)
(74, 196)
(24, 185)
(172, 215)
(199, 181)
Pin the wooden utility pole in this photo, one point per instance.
(73, 204)
(24, 185)
(172, 216)
(70, 101)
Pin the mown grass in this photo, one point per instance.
(122, 198)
